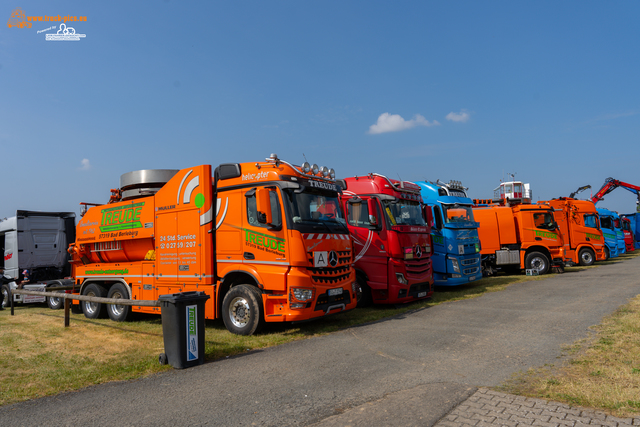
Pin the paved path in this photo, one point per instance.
(409, 370)
(490, 408)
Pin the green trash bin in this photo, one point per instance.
(183, 329)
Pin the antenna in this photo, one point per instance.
(512, 175)
(305, 158)
(398, 176)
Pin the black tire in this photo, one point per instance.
(537, 260)
(586, 257)
(607, 254)
(242, 310)
(5, 293)
(55, 303)
(118, 313)
(94, 310)
(363, 293)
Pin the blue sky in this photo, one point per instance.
(460, 90)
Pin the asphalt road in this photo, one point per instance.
(409, 370)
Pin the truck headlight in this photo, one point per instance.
(456, 266)
(401, 279)
(301, 294)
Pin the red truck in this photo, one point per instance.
(392, 241)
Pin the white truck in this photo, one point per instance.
(36, 242)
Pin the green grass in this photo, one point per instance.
(39, 357)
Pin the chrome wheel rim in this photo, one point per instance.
(118, 310)
(91, 307)
(239, 312)
(538, 263)
(587, 258)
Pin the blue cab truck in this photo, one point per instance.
(617, 223)
(455, 242)
(609, 232)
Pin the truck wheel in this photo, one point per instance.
(94, 310)
(538, 261)
(118, 313)
(5, 296)
(606, 253)
(586, 257)
(363, 292)
(55, 303)
(242, 310)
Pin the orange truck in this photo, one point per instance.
(516, 237)
(250, 237)
(580, 227)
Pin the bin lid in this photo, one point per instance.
(184, 297)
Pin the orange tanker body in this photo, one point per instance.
(518, 237)
(580, 226)
(251, 237)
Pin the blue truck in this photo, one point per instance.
(609, 231)
(456, 245)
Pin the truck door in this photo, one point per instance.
(265, 244)
(439, 242)
(369, 244)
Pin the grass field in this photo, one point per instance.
(39, 357)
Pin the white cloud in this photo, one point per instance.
(86, 165)
(394, 123)
(462, 116)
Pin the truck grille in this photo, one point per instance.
(325, 276)
(469, 271)
(417, 268)
(470, 261)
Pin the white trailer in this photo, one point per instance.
(36, 242)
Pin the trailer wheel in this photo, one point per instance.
(242, 310)
(55, 303)
(5, 296)
(537, 260)
(94, 310)
(363, 292)
(586, 257)
(118, 313)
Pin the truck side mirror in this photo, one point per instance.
(263, 206)
(373, 218)
(428, 215)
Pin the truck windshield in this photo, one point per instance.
(314, 210)
(591, 220)
(403, 212)
(457, 213)
(606, 222)
(626, 226)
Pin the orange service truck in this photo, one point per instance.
(250, 236)
(580, 226)
(516, 237)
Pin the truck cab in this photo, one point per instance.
(35, 242)
(454, 233)
(617, 224)
(580, 227)
(609, 233)
(392, 241)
